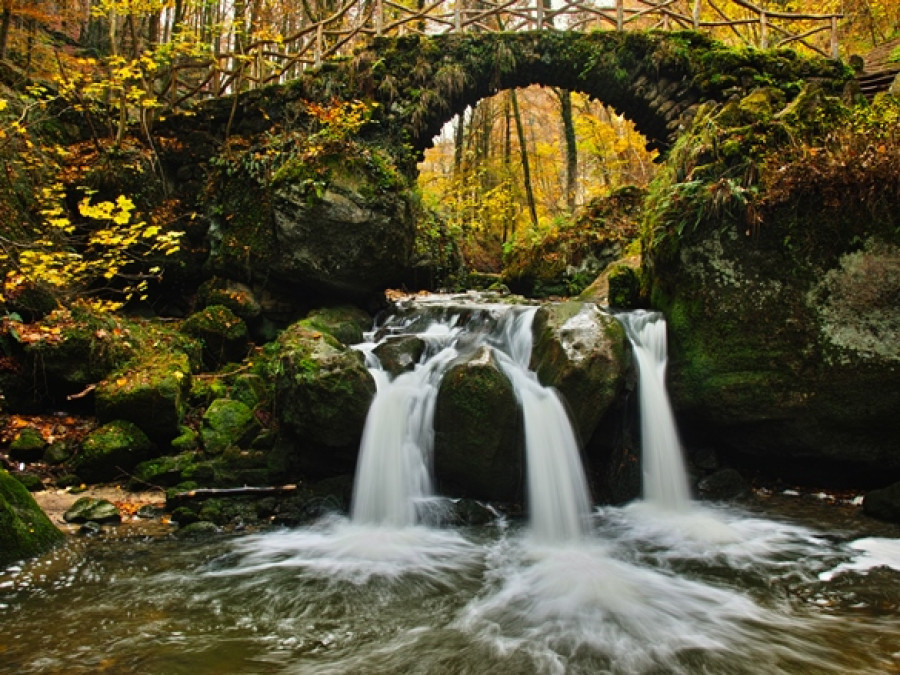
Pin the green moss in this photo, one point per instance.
(25, 530)
(227, 423)
(114, 447)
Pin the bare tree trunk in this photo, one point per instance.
(5, 21)
(565, 103)
(523, 151)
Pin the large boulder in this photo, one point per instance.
(779, 272)
(477, 445)
(25, 530)
(151, 394)
(110, 450)
(341, 226)
(583, 354)
(322, 392)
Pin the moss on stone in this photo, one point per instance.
(25, 530)
(151, 393)
(111, 449)
(227, 423)
(223, 333)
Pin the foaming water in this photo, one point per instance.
(339, 550)
(868, 553)
(627, 598)
(577, 608)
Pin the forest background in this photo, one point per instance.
(503, 179)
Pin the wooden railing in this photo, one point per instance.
(356, 21)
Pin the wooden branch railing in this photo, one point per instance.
(356, 21)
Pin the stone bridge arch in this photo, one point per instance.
(657, 79)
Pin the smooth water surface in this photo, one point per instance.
(722, 590)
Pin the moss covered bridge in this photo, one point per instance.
(655, 78)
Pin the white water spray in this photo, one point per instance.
(665, 478)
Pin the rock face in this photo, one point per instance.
(25, 530)
(583, 353)
(323, 392)
(477, 445)
(796, 372)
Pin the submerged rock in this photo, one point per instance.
(884, 504)
(477, 443)
(25, 530)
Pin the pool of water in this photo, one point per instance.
(786, 584)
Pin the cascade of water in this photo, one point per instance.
(665, 477)
(558, 498)
(393, 476)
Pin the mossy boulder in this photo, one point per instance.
(781, 297)
(61, 355)
(323, 392)
(236, 296)
(477, 444)
(28, 445)
(92, 509)
(111, 449)
(25, 530)
(151, 394)
(582, 353)
(346, 322)
(163, 471)
(224, 334)
(227, 423)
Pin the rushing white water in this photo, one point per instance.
(393, 475)
(665, 478)
(558, 498)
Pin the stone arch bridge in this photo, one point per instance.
(655, 78)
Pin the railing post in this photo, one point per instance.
(763, 30)
(620, 14)
(320, 44)
(539, 14)
(835, 52)
(379, 18)
(696, 15)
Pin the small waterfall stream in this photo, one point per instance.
(665, 478)
(393, 474)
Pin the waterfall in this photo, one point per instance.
(558, 499)
(665, 478)
(393, 478)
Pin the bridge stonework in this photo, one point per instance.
(657, 79)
